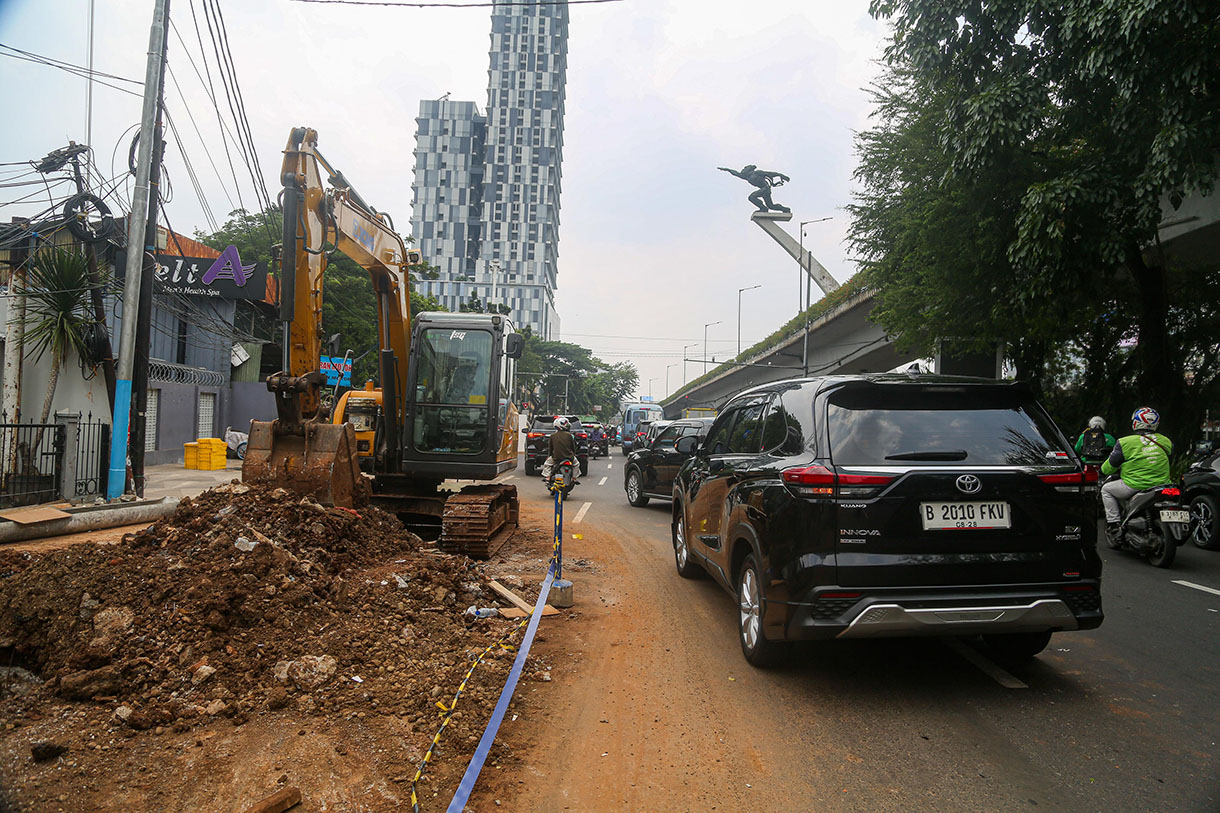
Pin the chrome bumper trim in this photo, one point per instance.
(893, 619)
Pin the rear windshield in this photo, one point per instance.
(548, 423)
(887, 426)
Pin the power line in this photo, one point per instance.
(211, 91)
(83, 73)
(456, 5)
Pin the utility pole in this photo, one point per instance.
(95, 284)
(139, 227)
(684, 349)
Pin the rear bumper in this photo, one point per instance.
(901, 612)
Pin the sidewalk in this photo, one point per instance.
(176, 480)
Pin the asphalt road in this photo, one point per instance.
(1124, 717)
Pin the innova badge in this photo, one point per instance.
(969, 484)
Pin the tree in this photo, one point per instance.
(548, 369)
(1082, 117)
(349, 306)
(58, 314)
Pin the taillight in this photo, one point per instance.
(839, 595)
(582, 435)
(533, 435)
(1171, 491)
(819, 481)
(1069, 482)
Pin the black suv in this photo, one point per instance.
(650, 469)
(891, 505)
(538, 447)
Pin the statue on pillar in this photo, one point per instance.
(764, 181)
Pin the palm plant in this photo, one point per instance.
(57, 312)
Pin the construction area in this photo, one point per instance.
(252, 643)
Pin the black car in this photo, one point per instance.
(891, 505)
(650, 469)
(538, 446)
(1202, 482)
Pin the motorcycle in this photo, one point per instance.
(563, 478)
(1154, 523)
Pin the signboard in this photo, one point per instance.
(224, 277)
(338, 371)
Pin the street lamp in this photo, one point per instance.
(705, 327)
(684, 347)
(739, 292)
(667, 366)
(805, 267)
(650, 386)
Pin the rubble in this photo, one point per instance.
(184, 622)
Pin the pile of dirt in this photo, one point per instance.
(249, 600)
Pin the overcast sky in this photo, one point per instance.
(654, 242)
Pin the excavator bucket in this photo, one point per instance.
(320, 462)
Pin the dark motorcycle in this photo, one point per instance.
(1154, 523)
(563, 478)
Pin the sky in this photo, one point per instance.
(654, 242)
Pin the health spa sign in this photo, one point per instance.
(223, 277)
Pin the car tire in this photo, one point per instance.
(635, 489)
(687, 567)
(1204, 531)
(1017, 646)
(584, 468)
(241, 450)
(751, 599)
(529, 469)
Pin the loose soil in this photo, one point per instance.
(253, 639)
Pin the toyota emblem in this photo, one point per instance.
(969, 484)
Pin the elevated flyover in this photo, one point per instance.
(840, 339)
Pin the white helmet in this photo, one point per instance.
(1145, 419)
(561, 423)
(1097, 422)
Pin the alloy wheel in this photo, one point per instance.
(1204, 523)
(680, 551)
(751, 614)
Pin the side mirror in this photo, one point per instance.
(687, 444)
(525, 431)
(514, 345)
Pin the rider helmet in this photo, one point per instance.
(1097, 422)
(561, 423)
(1145, 419)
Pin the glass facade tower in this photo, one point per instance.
(486, 208)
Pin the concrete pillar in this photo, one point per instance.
(70, 426)
(770, 223)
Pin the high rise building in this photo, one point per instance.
(487, 208)
(448, 199)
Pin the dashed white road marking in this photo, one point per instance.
(1212, 590)
(510, 477)
(986, 666)
(584, 509)
(602, 481)
(609, 465)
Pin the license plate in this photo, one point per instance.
(943, 516)
(1175, 516)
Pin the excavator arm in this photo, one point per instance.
(301, 447)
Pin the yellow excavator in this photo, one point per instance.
(444, 410)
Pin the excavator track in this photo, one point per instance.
(478, 520)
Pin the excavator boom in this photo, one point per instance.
(456, 422)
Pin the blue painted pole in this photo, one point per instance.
(136, 238)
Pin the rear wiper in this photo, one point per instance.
(947, 454)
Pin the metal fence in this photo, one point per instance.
(31, 463)
(92, 457)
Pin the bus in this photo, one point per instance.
(633, 414)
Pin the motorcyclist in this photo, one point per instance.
(598, 440)
(562, 446)
(1142, 458)
(1095, 443)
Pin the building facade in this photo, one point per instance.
(489, 219)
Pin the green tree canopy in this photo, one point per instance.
(1016, 173)
(546, 366)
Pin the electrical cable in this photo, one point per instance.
(195, 125)
(190, 171)
(211, 91)
(83, 73)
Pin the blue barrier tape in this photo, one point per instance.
(458, 803)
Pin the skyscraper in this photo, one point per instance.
(506, 214)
